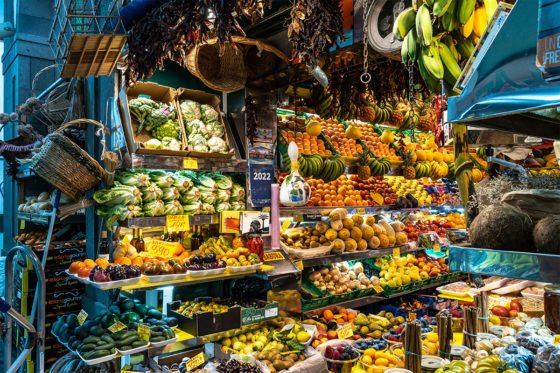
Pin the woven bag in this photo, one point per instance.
(67, 166)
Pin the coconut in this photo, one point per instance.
(547, 235)
(502, 227)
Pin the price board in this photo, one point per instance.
(190, 163)
(345, 332)
(162, 249)
(196, 361)
(82, 316)
(177, 223)
(378, 289)
(557, 339)
(261, 177)
(116, 327)
(272, 256)
(397, 251)
(144, 332)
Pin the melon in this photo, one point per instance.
(546, 235)
(502, 227)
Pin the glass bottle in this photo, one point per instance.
(104, 246)
(134, 240)
(140, 245)
(255, 245)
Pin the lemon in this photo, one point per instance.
(313, 128)
(303, 336)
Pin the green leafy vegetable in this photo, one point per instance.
(173, 208)
(151, 193)
(132, 178)
(154, 208)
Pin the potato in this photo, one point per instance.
(280, 365)
(294, 357)
(289, 362)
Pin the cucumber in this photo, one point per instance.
(139, 343)
(91, 339)
(169, 334)
(97, 354)
(158, 339)
(106, 346)
(128, 341)
(107, 338)
(74, 345)
(86, 347)
(124, 335)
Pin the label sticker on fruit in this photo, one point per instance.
(162, 249)
(177, 223)
(345, 332)
(144, 332)
(411, 316)
(196, 361)
(82, 316)
(397, 251)
(557, 339)
(190, 163)
(118, 326)
(378, 289)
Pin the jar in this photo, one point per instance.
(552, 307)
(255, 245)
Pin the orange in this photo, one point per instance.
(342, 310)
(75, 267)
(123, 260)
(351, 316)
(84, 272)
(103, 263)
(89, 263)
(138, 261)
(328, 315)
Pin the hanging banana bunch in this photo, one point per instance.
(440, 35)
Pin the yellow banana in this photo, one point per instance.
(480, 21)
(432, 62)
(465, 9)
(403, 23)
(475, 39)
(467, 28)
(490, 6)
(449, 63)
(424, 25)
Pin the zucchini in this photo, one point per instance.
(158, 339)
(91, 339)
(128, 341)
(139, 343)
(107, 338)
(86, 347)
(106, 346)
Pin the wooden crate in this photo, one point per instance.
(92, 55)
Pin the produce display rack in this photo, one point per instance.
(357, 255)
(289, 212)
(160, 221)
(152, 161)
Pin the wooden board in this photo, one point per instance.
(92, 55)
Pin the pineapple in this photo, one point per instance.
(408, 169)
(364, 172)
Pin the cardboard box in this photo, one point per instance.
(25, 280)
(56, 303)
(265, 311)
(204, 323)
(60, 255)
(207, 99)
(157, 93)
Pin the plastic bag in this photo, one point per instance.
(518, 357)
(547, 360)
(529, 340)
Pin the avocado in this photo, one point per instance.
(128, 317)
(171, 321)
(126, 305)
(96, 331)
(115, 309)
(81, 331)
(141, 309)
(109, 319)
(152, 312)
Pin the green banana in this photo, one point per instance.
(432, 62)
(410, 40)
(464, 46)
(448, 40)
(465, 9)
(431, 83)
(424, 25)
(449, 19)
(429, 2)
(450, 64)
(404, 23)
(441, 7)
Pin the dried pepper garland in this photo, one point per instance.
(168, 32)
(251, 118)
(315, 27)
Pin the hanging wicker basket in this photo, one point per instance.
(67, 166)
(226, 68)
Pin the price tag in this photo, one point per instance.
(177, 223)
(557, 339)
(271, 312)
(411, 316)
(196, 361)
(82, 316)
(162, 249)
(436, 248)
(22, 224)
(397, 251)
(378, 289)
(144, 332)
(271, 256)
(286, 225)
(345, 332)
(190, 163)
(118, 326)
(299, 264)
(360, 210)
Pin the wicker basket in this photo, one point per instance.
(223, 67)
(67, 166)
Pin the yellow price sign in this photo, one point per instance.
(378, 289)
(286, 225)
(162, 249)
(144, 332)
(118, 326)
(397, 251)
(411, 316)
(299, 264)
(82, 316)
(436, 248)
(345, 332)
(360, 210)
(557, 339)
(190, 163)
(22, 224)
(177, 223)
(272, 256)
(196, 361)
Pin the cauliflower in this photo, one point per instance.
(190, 110)
(169, 129)
(217, 145)
(170, 143)
(208, 114)
(195, 126)
(153, 144)
(198, 142)
(215, 129)
(140, 107)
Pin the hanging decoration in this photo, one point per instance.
(168, 32)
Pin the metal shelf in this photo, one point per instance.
(167, 162)
(160, 221)
(513, 264)
(40, 218)
(357, 255)
(25, 171)
(288, 212)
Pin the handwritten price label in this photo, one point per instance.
(436, 248)
(378, 289)
(196, 361)
(345, 332)
(162, 249)
(285, 225)
(82, 316)
(397, 251)
(272, 256)
(144, 332)
(116, 327)
(557, 339)
(177, 223)
(190, 163)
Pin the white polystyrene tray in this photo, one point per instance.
(108, 284)
(245, 268)
(99, 360)
(160, 278)
(207, 272)
(134, 350)
(163, 343)
(83, 280)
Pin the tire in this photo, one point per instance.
(381, 16)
